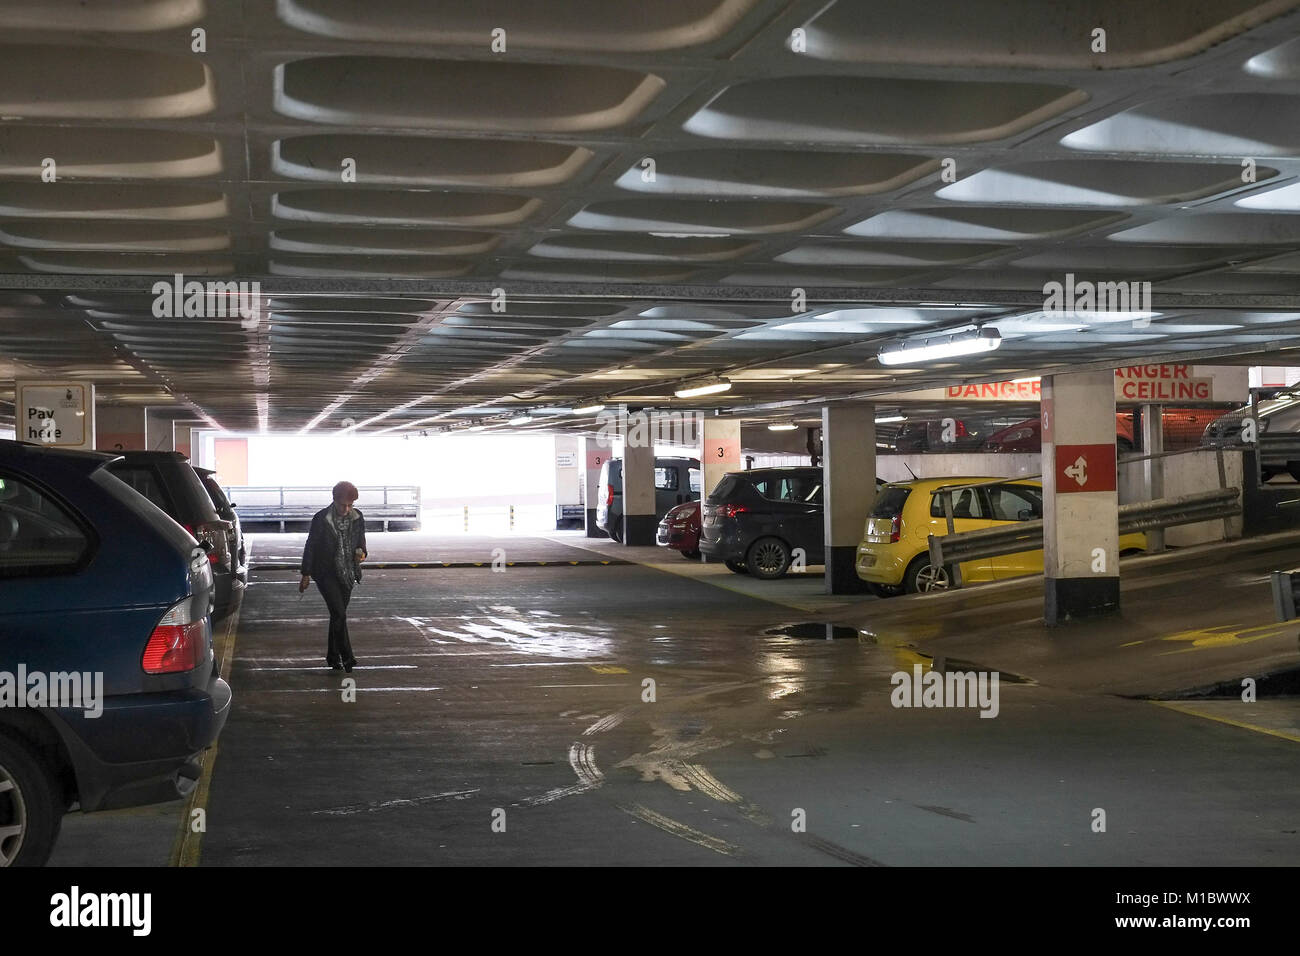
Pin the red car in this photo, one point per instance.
(680, 530)
(1182, 428)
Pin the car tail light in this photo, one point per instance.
(177, 642)
(895, 528)
(730, 511)
(609, 495)
(212, 535)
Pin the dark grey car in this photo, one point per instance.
(166, 479)
(755, 520)
(226, 510)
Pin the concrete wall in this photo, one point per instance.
(1184, 475)
(894, 467)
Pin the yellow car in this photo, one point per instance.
(894, 555)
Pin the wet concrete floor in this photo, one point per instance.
(506, 718)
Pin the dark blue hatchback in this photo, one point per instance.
(109, 691)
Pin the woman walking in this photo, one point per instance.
(336, 546)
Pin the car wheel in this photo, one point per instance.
(691, 555)
(616, 531)
(1267, 474)
(768, 558)
(1123, 446)
(30, 809)
(883, 590)
(1293, 469)
(922, 577)
(739, 567)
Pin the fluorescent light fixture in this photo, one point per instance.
(782, 427)
(477, 428)
(589, 409)
(521, 420)
(1026, 381)
(953, 345)
(886, 419)
(705, 387)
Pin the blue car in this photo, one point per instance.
(109, 691)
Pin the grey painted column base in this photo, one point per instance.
(841, 577)
(1068, 599)
(593, 529)
(639, 529)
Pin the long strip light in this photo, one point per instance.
(703, 387)
(953, 345)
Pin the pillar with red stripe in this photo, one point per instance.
(1080, 501)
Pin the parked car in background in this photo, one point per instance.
(226, 511)
(894, 556)
(927, 435)
(166, 479)
(1278, 416)
(98, 584)
(680, 529)
(1182, 428)
(677, 480)
(755, 520)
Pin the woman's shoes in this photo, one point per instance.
(349, 665)
(334, 665)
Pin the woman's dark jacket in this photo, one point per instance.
(322, 540)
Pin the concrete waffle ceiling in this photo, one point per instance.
(648, 184)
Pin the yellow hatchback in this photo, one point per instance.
(894, 555)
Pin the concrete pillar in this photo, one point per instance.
(1153, 472)
(568, 476)
(119, 428)
(849, 476)
(158, 429)
(1080, 501)
(596, 451)
(719, 451)
(638, 483)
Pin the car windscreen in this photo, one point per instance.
(217, 495)
(889, 503)
(143, 478)
(726, 488)
(144, 509)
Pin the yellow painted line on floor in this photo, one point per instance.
(1132, 644)
(1225, 635)
(1192, 711)
(186, 847)
(606, 669)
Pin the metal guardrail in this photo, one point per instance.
(1136, 517)
(381, 504)
(1286, 591)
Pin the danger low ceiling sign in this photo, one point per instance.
(1166, 384)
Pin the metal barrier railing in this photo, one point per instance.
(1133, 518)
(279, 505)
(954, 548)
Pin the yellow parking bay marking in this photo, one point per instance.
(606, 669)
(1226, 635)
(1194, 712)
(185, 849)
